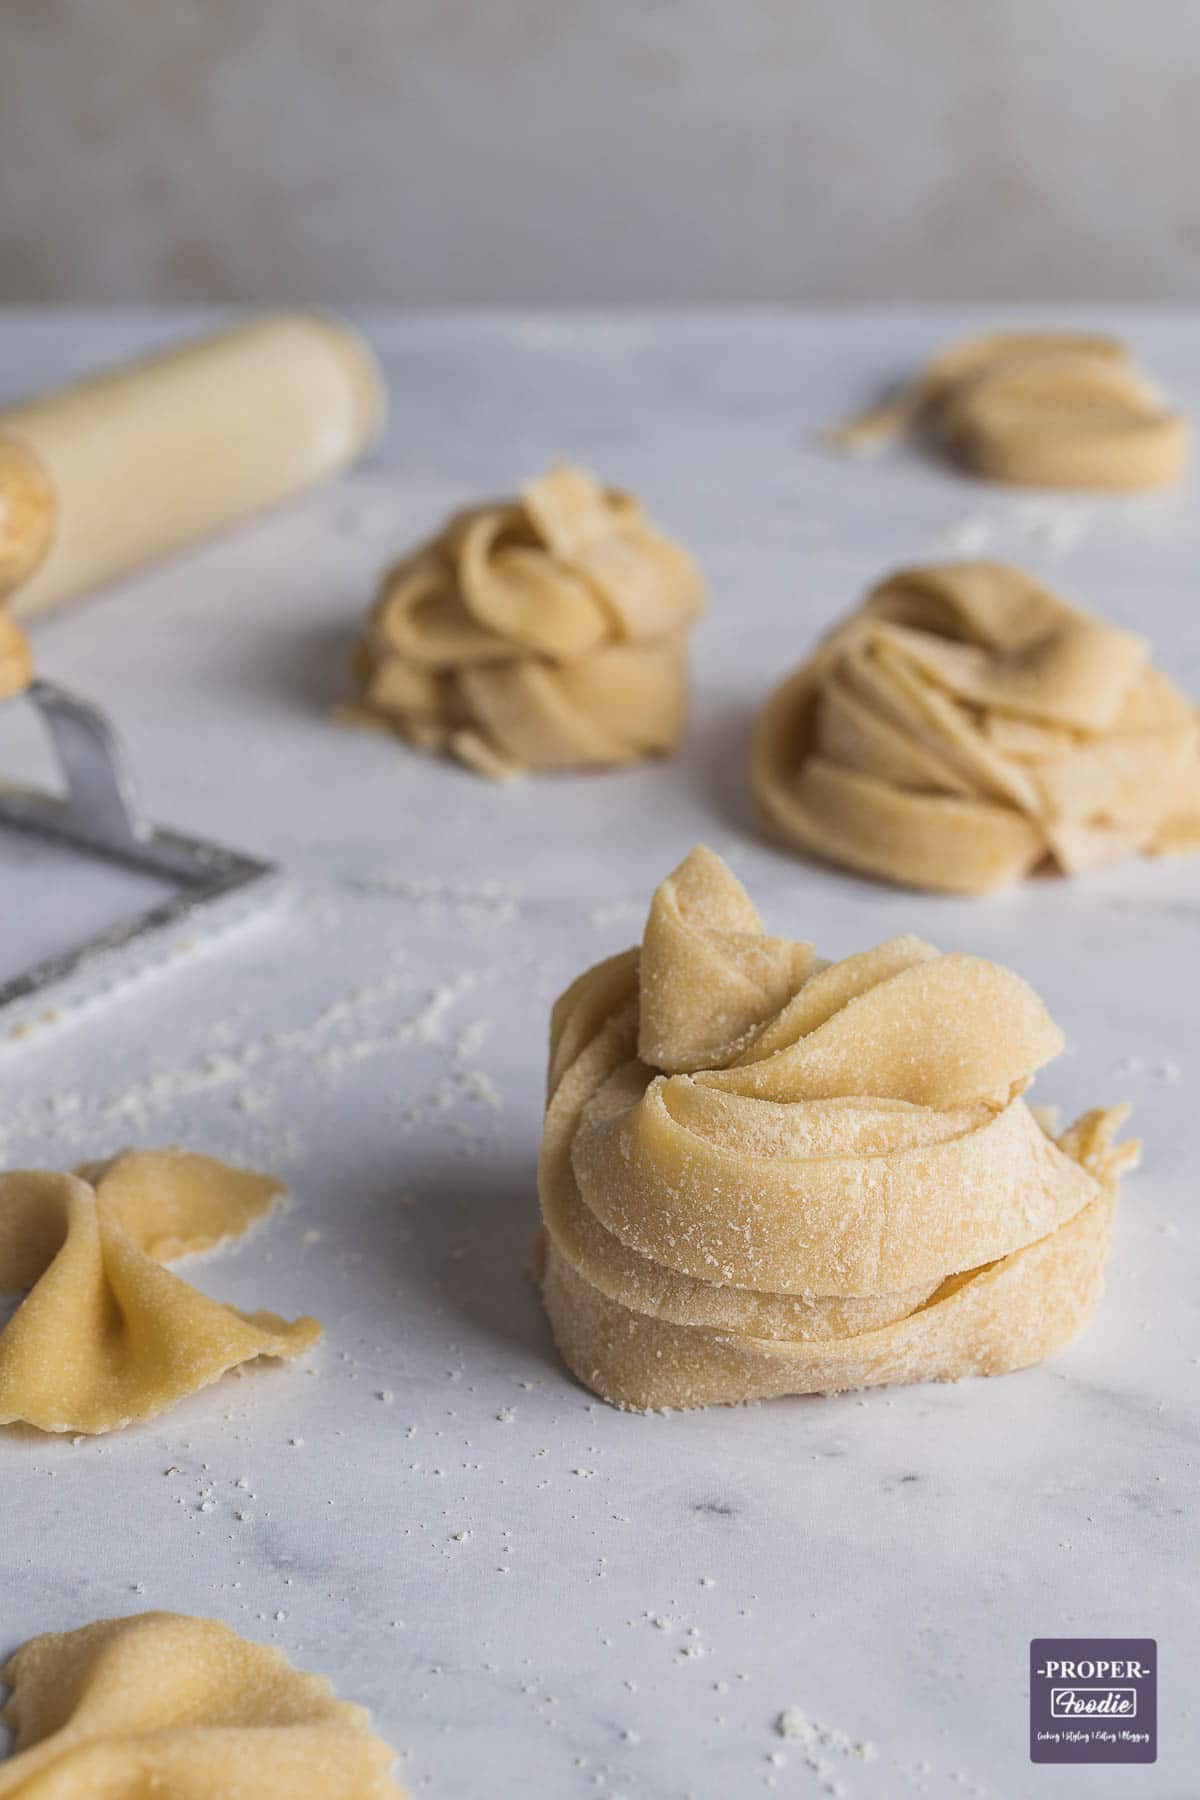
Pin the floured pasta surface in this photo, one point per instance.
(545, 632)
(764, 1174)
(965, 726)
(105, 1334)
(163, 1704)
(1043, 409)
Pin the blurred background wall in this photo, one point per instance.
(610, 150)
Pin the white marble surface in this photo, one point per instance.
(508, 1573)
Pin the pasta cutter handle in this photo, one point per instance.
(99, 813)
(100, 808)
(211, 888)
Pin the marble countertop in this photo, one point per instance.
(537, 1595)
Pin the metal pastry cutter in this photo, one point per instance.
(99, 816)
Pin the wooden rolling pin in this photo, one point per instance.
(26, 527)
(125, 467)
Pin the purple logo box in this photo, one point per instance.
(1093, 1700)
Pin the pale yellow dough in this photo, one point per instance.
(27, 518)
(16, 659)
(165, 1707)
(547, 632)
(1042, 409)
(105, 1335)
(967, 725)
(765, 1174)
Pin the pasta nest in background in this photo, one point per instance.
(966, 726)
(547, 632)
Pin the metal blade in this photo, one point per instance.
(99, 816)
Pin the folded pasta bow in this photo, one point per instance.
(544, 633)
(106, 1335)
(965, 725)
(763, 1174)
(1045, 409)
(169, 1705)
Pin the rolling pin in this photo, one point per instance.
(123, 468)
(26, 527)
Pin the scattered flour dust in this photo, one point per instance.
(1049, 526)
(480, 1087)
(616, 912)
(816, 1737)
(426, 1026)
(471, 1039)
(341, 1034)
(483, 906)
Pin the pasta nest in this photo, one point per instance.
(548, 632)
(766, 1174)
(1042, 409)
(965, 726)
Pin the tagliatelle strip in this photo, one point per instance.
(1043, 409)
(165, 1704)
(797, 1177)
(106, 1335)
(546, 632)
(967, 725)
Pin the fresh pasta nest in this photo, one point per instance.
(764, 1174)
(966, 726)
(546, 632)
(1042, 409)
